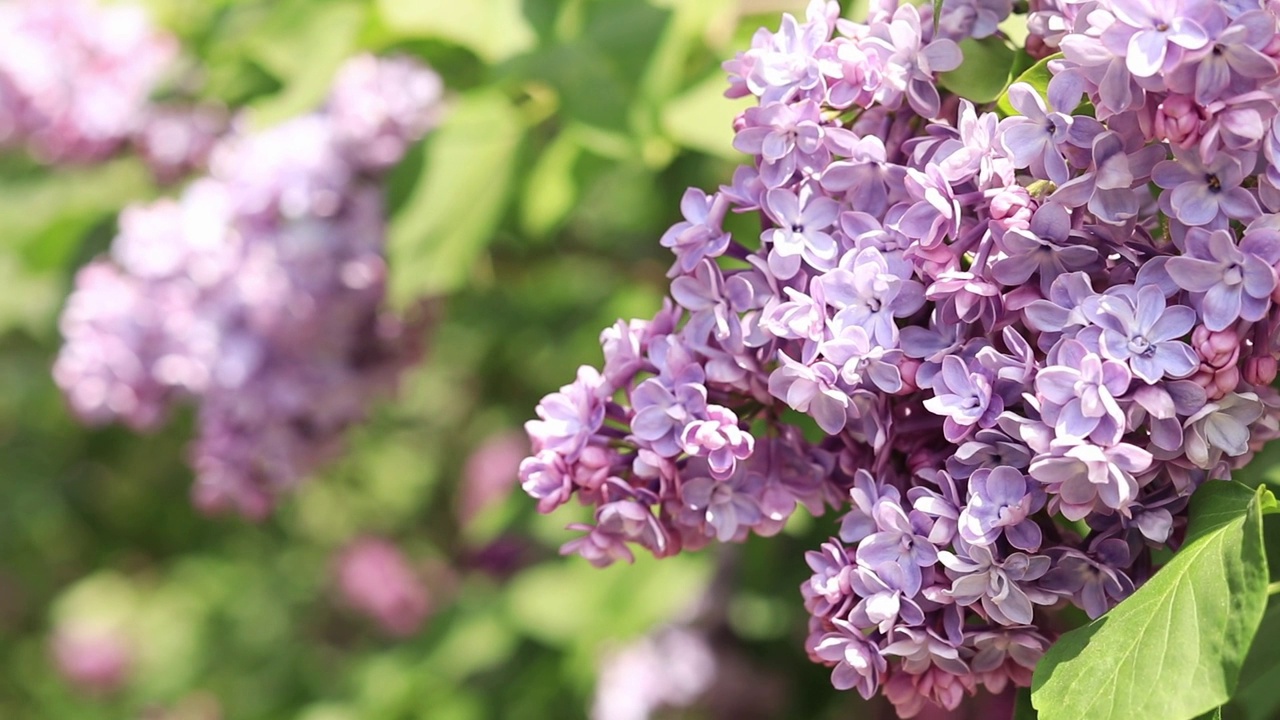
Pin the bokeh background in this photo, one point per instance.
(532, 218)
(532, 214)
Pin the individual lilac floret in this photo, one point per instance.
(1080, 394)
(1094, 583)
(964, 398)
(699, 235)
(1206, 193)
(1139, 328)
(858, 662)
(1001, 501)
(1230, 282)
(568, 418)
(1221, 428)
(886, 598)
(719, 439)
(900, 540)
(1156, 33)
(1034, 138)
(801, 234)
(1085, 478)
(1004, 587)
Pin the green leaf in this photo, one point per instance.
(494, 30)
(702, 118)
(1022, 707)
(460, 198)
(1256, 697)
(1174, 649)
(985, 70)
(1037, 76)
(551, 189)
(303, 47)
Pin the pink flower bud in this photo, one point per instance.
(1179, 120)
(376, 580)
(1260, 370)
(95, 660)
(1217, 349)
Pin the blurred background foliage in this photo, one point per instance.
(534, 214)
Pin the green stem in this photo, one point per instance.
(1273, 588)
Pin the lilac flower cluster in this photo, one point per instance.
(75, 78)
(258, 293)
(1024, 341)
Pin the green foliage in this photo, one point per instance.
(984, 74)
(460, 198)
(1175, 648)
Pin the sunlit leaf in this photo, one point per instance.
(1174, 649)
(460, 197)
(985, 70)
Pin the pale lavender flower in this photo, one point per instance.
(699, 235)
(811, 389)
(719, 439)
(885, 601)
(901, 540)
(1156, 33)
(1080, 394)
(1001, 501)
(865, 293)
(568, 418)
(1033, 139)
(1085, 478)
(1229, 282)
(1005, 588)
(964, 398)
(1221, 428)
(1139, 328)
(1206, 192)
(801, 234)
(786, 137)
(858, 662)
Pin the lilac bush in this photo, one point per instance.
(1007, 349)
(76, 78)
(258, 295)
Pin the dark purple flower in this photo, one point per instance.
(1095, 584)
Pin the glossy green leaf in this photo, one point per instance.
(1037, 76)
(985, 70)
(1174, 649)
(460, 198)
(1257, 698)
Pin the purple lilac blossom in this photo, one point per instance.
(1001, 328)
(258, 296)
(76, 78)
